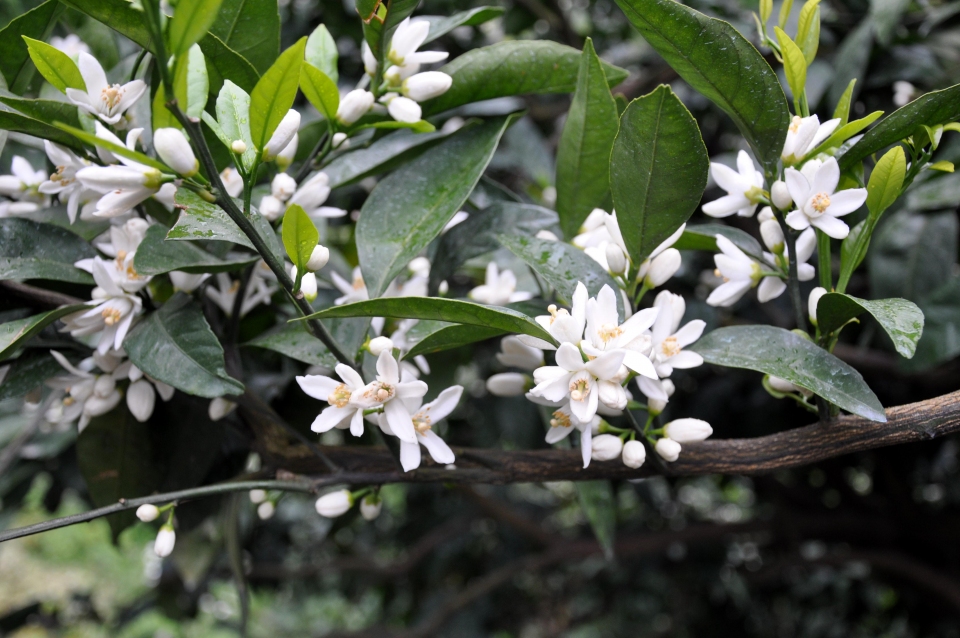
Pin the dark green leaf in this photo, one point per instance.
(446, 336)
(190, 22)
(202, 220)
(935, 194)
(274, 94)
(14, 334)
(14, 55)
(442, 25)
(600, 509)
(901, 319)
(252, 29)
(155, 256)
(294, 341)
(850, 63)
(119, 15)
(583, 154)
(43, 110)
(55, 66)
(379, 157)
(704, 237)
(722, 65)
(321, 52)
(175, 345)
(17, 123)
(909, 255)
(513, 67)
(28, 373)
(300, 237)
(885, 16)
(228, 64)
(410, 207)
(57, 216)
(30, 250)
(789, 356)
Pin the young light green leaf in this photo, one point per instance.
(722, 65)
(808, 30)
(160, 115)
(600, 509)
(31, 250)
(321, 52)
(274, 94)
(886, 180)
(155, 256)
(251, 28)
(843, 106)
(55, 66)
(658, 170)
(321, 90)
(583, 154)
(902, 320)
(191, 84)
(410, 207)
(766, 10)
(300, 237)
(785, 8)
(36, 23)
(794, 64)
(789, 356)
(191, 21)
(233, 115)
(14, 334)
(176, 345)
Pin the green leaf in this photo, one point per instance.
(941, 339)
(14, 54)
(43, 110)
(161, 116)
(274, 94)
(119, 15)
(320, 89)
(14, 334)
(600, 509)
(156, 256)
(794, 64)
(27, 373)
(410, 207)
(935, 194)
(321, 52)
(293, 340)
(936, 107)
(789, 356)
(901, 319)
(228, 64)
(561, 265)
(442, 25)
(808, 30)
(191, 83)
(203, 220)
(17, 123)
(583, 154)
(886, 180)
(300, 237)
(437, 309)
(480, 234)
(420, 126)
(55, 66)
(190, 22)
(31, 250)
(252, 29)
(845, 132)
(658, 170)
(843, 105)
(114, 148)
(175, 345)
(447, 336)
(57, 216)
(233, 116)
(513, 67)
(381, 156)
(704, 237)
(909, 255)
(722, 65)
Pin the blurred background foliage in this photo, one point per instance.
(864, 545)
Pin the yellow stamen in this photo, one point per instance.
(340, 396)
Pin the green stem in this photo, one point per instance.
(823, 257)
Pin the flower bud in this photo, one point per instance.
(238, 146)
(687, 430)
(318, 258)
(516, 354)
(380, 344)
(370, 507)
(258, 496)
(220, 408)
(282, 135)
(141, 399)
(634, 454)
(423, 86)
(781, 385)
(104, 385)
(266, 510)
(403, 109)
(605, 447)
(656, 406)
(271, 208)
(308, 286)
(166, 539)
(765, 214)
(546, 235)
(174, 149)
(812, 302)
(283, 187)
(334, 504)
(663, 267)
(443, 288)
(369, 59)
(772, 236)
(354, 105)
(286, 156)
(616, 260)
(780, 195)
(147, 513)
(668, 449)
(338, 139)
(507, 384)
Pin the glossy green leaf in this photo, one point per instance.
(936, 107)
(447, 336)
(379, 157)
(155, 256)
(902, 320)
(300, 237)
(116, 149)
(17, 123)
(191, 83)
(909, 252)
(274, 94)
(935, 194)
(294, 341)
(36, 23)
(43, 110)
(57, 216)
(808, 30)
(233, 116)
(600, 509)
(203, 220)
(27, 373)
(321, 90)
(722, 65)
(228, 65)
(442, 25)
(252, 29)
(31, 250)
(704, 237)
(886, 180)
(842, 111)
(583, 154)
(794, 64)
(160, 115)
(321, 52)
(176, 345)
(789, 356)
(55, 66)
(658, 170)
(885, 16)
(561, 265)
(14, 334)
(190, 22)
(410, 207)
(119, 15)
(437, 309)
(513, 67)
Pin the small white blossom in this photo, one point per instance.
(380, 344)
(634, 454)
(744, 188)
(282, 136)
(424, 417)
(508, 384)
(23, 185)
(668, 449)
(667, 343)
(112, 313)
(425, 86)
(818, 202)
(605, 333)
(804, 135)
(123, 186)
(687, 430)
(499, 288)
(258, 291)
(174, 149)
(72, 45)
(370, 507)
(105, 101)
(578, 381)
(286, 156)
(353, 106)
(516, 354)
(147, 513)
(166, 539)
(813, 301)
(63, 182)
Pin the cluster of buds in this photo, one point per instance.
(339, 502)
(308, 281)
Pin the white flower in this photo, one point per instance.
(634, 454)
(425, 86)
(123, 244)
(507, 384)
(232, 181)
(380, 344)
(72, 45)
(408, 37)
(804, 135)
(813, 301)
(771, 286)
(266, 510)
(353, 291)
(187, 282)
(283, 187)
(605, 447)
(342, 410)
(499, 288)
(780, 195)
(258, 291)
(63, 182)
(605, 333)
(668, 449)
(271, 208)
(616, 259)
(219, 408)
(112, 313)
(402, 109)
(312, 194)
(174, 149)
(593, 231)
(818, 203)
(744, 188)
(123, 186)
(740, 273)
(282, 136)
(423, 418)
(687, 430)
(668, 341)
(578, 381)
(257, 496)
(903, 92)
(166, 539)
(369, 59)
(371, 504)
(563, 422)
(353, 106)
(564, 326)
(106, 101)
(88, 395)
(334, 504)
(516, 354)
(147, 513)
(24, 185)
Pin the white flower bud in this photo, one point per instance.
(403, 109)
(443, 288)
(765, 214)
(772, 236)
(258, 496)
(663, 267)
(507, 384)
(220, 408)
(812, 302)
(238, 146)
(616, 260)
(546, 235)
(318, 258)
(656, 406)
(166, 539)
(781, 385)
(380, 344)
(266, 510)
(423, 86)
(668, 386)
(369, 59)
(271, 208)
(141, 399)
(516, 354)
(605, 447)
(174, 149)
(147, 513)
(780, 195)
(286, 156)
(687, 430)
(308, 286)
(104, 385)
(185, 281)
(338, 139)
(634, 454)
(370, 507)
(354, 105)
(282, 136)
(668, 449)
(334, 504)
(283, 187)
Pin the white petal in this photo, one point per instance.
(690, 332)
(569, 357)
(826, 178)
(686, 359)
(831, 226)
(409, 455)
(400, 421)
(797, 220)
(771, 288)
(437, 447)
(331, 417)
(317, 386)
(845, 202)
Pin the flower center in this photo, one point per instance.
(358, 283)
(60, 177)
(68, 401)
(421, 423)
(670, 347)
(111, 96)
(379, 391)
(340, 396)
(111, 315)
(560, 420)
(555, 313)
(579, 389)
(820, 202)
(609, 332)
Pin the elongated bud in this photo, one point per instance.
(370, 507)
(668, 449)
(338, 139)
(238, 146)
(354, 105)
(424, 86)
(289, 152)
(634, 454)
(772, 236)
(141, 399)
(403, 109)
(812, 302)
(782, 385)
(605, 447)
(283, 187)
(166, 539)
(174, 149)
(663, 267)
(616, 260)
(334, 504)
(308, 286)
(369, 59)
(266, 510)
(147, 513)
(687, 430)
(380, 344)
(780, 195)
(318, 258)
(220, 408)
(282, 135)
(271, 208)
(507, 384)
(258, 496)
